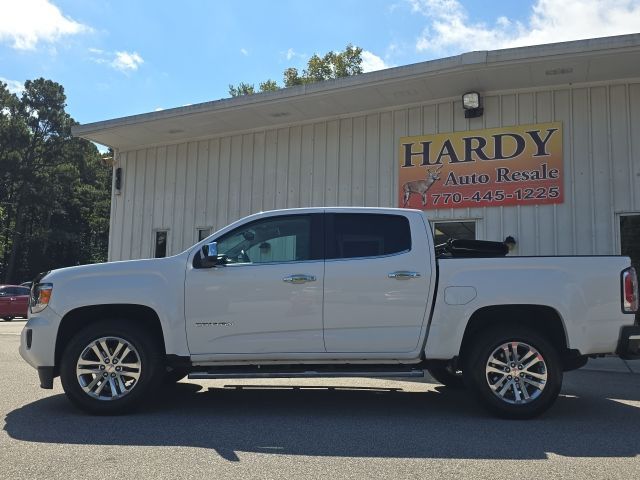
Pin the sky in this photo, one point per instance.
(119, 58)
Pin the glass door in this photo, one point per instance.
(630, 240)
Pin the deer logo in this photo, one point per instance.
(421, 187)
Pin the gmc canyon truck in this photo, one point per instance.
(331, 292)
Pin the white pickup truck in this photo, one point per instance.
(331, 292)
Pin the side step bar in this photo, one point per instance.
(254, 372)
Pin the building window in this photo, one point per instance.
(160, 249)
(630, 240)
(443, 231)
(203, 233)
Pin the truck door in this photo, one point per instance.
(377, 279)
(267, 298)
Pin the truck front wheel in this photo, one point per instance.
(514, 371)
(109, 367)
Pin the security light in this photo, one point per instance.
(118, 180)
(471, 105)
(510, 242)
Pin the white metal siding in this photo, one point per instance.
(353, 161)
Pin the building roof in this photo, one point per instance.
(593, 60)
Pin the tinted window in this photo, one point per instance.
(14, 291)
(366, 235)
(275, 239)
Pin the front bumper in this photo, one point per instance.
(38, 342)
(629, 343)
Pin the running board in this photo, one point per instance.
(255, 372)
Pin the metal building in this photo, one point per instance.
(182, 173)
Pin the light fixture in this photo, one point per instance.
(471, 105)
(118, 180)
(510, 242)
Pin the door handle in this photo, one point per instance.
(404, 275)
(299, 278)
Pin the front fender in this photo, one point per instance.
(157, 284)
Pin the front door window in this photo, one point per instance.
(272, 240)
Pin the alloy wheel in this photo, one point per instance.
(516, 373)
(108, 368)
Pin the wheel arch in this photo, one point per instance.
(544, 319)
(81, 317)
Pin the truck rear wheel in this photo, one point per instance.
(514, 371)
(109, 367)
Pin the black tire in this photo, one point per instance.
(444, 373)
(7, 319)
(151, 367)
(478, 380)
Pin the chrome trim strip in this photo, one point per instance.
(348, 259)
(238, 265)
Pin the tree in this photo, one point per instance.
(269, 86)
(332, 65)
(241, 89)
(54, 189)
(249, 88)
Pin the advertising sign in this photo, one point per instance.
(519, 165)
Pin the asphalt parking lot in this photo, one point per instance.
(346, 428)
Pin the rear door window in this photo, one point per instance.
(358, 235)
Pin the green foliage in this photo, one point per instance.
(54, 189)
(249, 88)
(269, 86)
(332, 65)
(292, 77)
(241, 89)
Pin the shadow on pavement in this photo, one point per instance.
(358, 422)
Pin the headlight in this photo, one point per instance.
(40, 296)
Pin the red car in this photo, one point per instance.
(14, 302)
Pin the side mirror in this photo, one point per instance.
(210, 257)
(210, 251)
